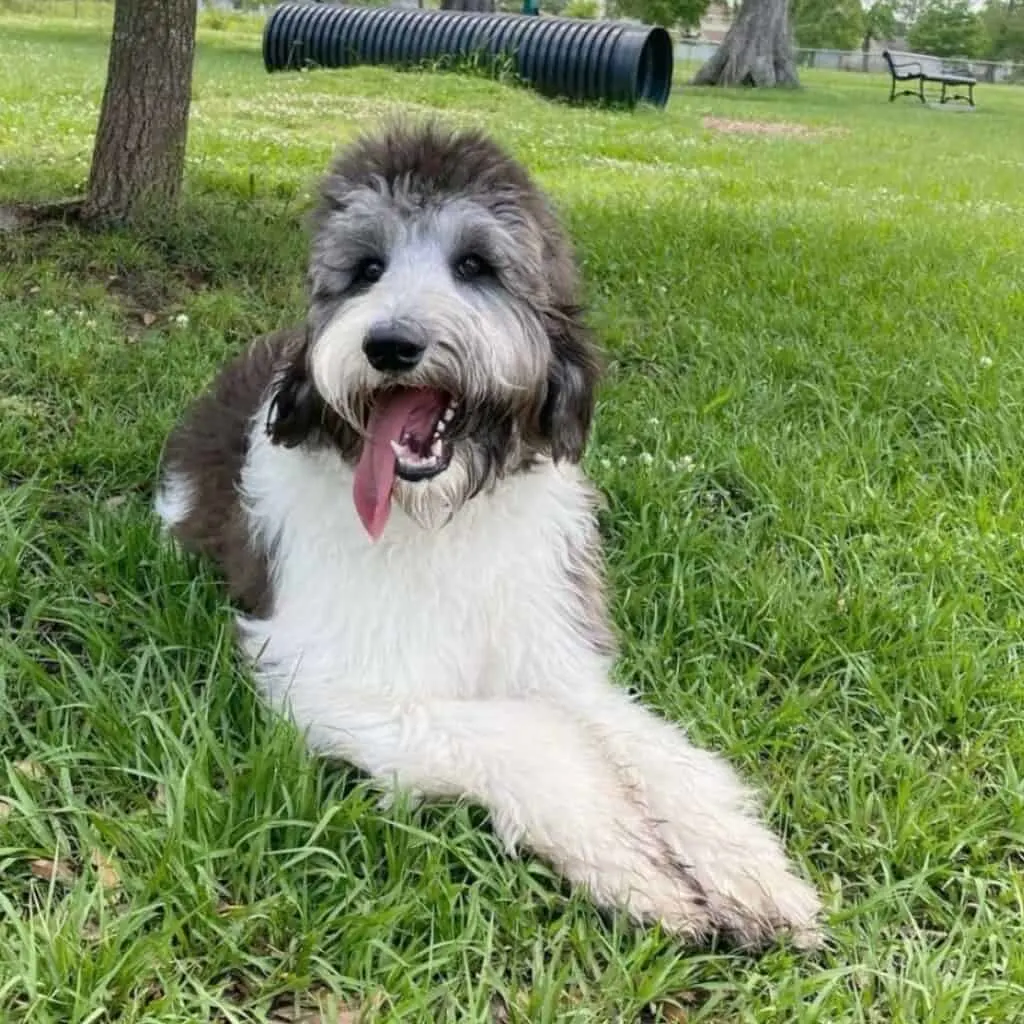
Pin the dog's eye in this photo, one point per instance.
(370, 271)
(471, 267)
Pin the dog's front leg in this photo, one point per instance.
(702, 811)
(545, 783)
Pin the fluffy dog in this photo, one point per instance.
(393, 495)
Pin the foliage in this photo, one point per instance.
(581, 9)
(809, 437)
(842, 24)
(878, 22)
(827, 24)
(948, 28)
(907, 12)
(1004, 29)
(669, 13)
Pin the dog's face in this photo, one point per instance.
(444, 344)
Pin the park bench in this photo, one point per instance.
(912, 71)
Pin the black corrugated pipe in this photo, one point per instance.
(576, 59)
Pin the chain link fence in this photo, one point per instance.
(694, 53)
(690, 54)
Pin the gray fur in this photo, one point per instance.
(515, 349)
(618, 799)
(512, 347)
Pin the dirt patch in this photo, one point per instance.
(12, 219)
(139, 297)
(145, 298)
(786, 128)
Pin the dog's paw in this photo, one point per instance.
(752, 895)
(657, 891)
(709, 823)
(636, 873)
(756, 904)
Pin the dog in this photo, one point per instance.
(393, 494)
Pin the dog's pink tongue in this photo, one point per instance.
(375, 473)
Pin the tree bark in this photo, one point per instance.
(139, 153)
(757, 50)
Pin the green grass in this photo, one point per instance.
(809, 436)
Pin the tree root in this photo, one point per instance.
(29, 216)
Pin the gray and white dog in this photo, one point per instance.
(393, 494)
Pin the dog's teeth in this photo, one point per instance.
(399, 449)
(439, 429)
(435, 450)
(449, 414)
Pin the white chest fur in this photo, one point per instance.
(419, 613)
(450, 662)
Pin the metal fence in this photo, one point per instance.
(694, 52)
(690, 54)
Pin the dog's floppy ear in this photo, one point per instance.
(572, 384)
(295, 408)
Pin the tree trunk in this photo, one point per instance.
(757, 50)
(866, 53)
(139, 154)
(468, 5)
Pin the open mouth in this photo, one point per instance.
(407, 438)
(422, 449)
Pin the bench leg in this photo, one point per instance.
(919, 92)
(958, 96)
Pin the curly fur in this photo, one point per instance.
(468, 652)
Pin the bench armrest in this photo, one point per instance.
(908, 64)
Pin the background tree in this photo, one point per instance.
(948, 28)
(139, 153)
(668, 13)
(757, 50)
(907, 12)
(1004, 29)
(827, 24)
(878, 22)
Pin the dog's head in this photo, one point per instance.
(445, 346)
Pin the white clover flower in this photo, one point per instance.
(985, 362)
(181, 320)
(646, 458)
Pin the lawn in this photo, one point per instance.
(810, 439)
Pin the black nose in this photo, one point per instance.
(391, 351)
